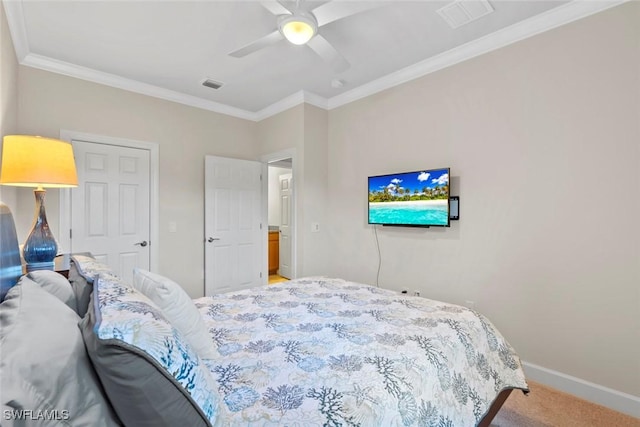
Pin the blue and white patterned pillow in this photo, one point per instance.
(126, 315)
(90, 268)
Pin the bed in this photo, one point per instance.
(308, 352)
(334, 352)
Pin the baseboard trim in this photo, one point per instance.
(614, 399)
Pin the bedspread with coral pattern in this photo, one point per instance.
(328, 352)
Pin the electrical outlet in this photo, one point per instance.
(416, 293)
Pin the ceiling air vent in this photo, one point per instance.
(212, 84)
(461, 12)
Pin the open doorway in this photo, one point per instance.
(280, 218)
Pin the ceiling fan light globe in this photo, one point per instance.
(298, 29)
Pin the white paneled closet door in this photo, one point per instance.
(110, 209)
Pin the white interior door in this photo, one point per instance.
(110, 209)
(285, 225)
(234, 246)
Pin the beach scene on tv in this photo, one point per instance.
(412, 198)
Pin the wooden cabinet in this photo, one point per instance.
(274, 252)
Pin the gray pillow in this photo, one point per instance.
(81, 281)
(81, 288)
(151, 375)
(56, 284)
(44, 363)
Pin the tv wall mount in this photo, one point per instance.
(454, 208)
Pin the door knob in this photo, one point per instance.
(212, 239)
(143, 243)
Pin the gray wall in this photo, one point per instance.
(50, 102)
(304, 128)
(8, 99)
(543, 139)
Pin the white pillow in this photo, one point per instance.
(178, 308)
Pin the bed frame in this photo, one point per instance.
(495, 407)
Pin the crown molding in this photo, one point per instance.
(17, 28)
(291, 101)
(280, 106)
(316, 100)
(89, 74)
(549, 20)
(546, 21)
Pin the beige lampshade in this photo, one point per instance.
(34, 161)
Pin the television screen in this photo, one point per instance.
(418, 198)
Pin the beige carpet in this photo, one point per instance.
(545, 406)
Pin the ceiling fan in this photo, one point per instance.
(300, 26)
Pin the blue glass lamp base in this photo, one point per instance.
(34, 266)
(41, 247)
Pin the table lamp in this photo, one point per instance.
(34, 161)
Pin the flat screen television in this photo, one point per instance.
(412, 199)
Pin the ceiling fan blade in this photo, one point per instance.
(334, 10)
(255, 46)
(275, 7)
(326, 51)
